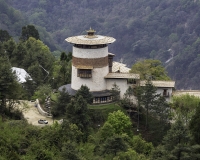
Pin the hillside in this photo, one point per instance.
(167, 30)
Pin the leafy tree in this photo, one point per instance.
(141, 146)
(65, 72)
(70, 131)
(130, 154)
(84, 91)
(29, 31)
(38, 61)
(18, 55)
(29, 88)
(185, 106)
(176, 144)
(4, 35)
(62, 70)
(106, 131)
(42, 92)
(152, 68)
(69, 151)
(9, 47)
(119, 124)
(114, 144)
(63, 56)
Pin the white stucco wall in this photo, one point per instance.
(169, 90)
(95, 83)
(121, 83)
(90, 53)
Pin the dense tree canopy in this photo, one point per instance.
(29, 31)
(4, 35)
(185, 106)
(150, 68)
(164, 30)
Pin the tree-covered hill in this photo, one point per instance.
(167, 30)
(12, 20)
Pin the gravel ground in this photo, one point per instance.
(32, 115)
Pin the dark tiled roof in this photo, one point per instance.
(68, 89)
(101, 93)
(72, 92)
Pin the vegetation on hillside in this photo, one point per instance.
(121, 130)
(159, 29)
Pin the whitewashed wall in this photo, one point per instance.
(95, 83)
(90, 53)
(169, 90)
(121, 83)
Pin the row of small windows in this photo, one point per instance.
(102, 99)
(90, 46)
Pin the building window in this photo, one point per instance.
(165, 93)
(90, 46)
(131, 81)
(84, 73)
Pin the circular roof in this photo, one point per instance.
(90, 39)
(85, 39)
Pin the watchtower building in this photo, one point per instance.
(91, 61)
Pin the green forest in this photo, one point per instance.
(159, 36)
(121, 130)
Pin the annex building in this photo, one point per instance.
(93, 66)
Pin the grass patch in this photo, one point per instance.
(106, 108)
(99, 113)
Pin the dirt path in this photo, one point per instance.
(32, 115)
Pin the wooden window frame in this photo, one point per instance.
(84, 73)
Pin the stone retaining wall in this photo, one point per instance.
(39, 108)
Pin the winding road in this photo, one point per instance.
(32, 115)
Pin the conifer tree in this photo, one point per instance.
(194, 125)
(177, 145)
(84, 91)
(148, 98)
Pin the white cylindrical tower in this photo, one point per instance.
(90, 60)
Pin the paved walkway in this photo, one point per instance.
(32, 115)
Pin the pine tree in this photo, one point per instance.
(194, 125)
(77, 113)
(9, 87)
(84, 91)
(148, 98)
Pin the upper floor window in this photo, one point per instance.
(90, 46)
(165, 93)
(84, 73)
